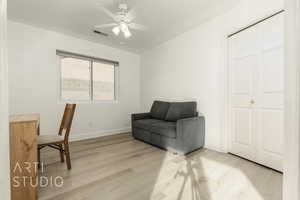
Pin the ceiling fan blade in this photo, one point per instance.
(137, 26)
(108, 12)
(131, 15)
(106, 25)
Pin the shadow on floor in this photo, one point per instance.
(120, 168)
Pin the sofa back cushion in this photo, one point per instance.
(180, 110)
(159, 109)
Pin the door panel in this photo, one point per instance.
(272, 128)
(242, 142)
(270, 106)
(242, 119)
(244, 57)
(270, 146)
(273, 70)
(242, 80)
(273, 32)
(242, 75)
(245, 43)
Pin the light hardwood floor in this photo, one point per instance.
(121, 168)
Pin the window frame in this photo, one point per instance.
(63, 54)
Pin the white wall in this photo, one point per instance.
(4, 135)
(192, 65)
(34, 81)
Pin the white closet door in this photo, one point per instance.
(270, 94)
(244, 56)
(256, 90)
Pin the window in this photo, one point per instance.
(86, 78)
(103, 81)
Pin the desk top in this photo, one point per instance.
(24, 118)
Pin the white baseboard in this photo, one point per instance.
(210, 147)
(91, 135)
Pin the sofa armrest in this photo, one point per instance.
(191, 133)
(139, 116)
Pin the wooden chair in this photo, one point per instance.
(60, 141)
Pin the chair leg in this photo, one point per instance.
(67, 152)
(61, 152)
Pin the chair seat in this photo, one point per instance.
(48, 139)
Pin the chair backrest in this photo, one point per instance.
(67, 119)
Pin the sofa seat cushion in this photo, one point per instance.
(163, 128)
(145, 124)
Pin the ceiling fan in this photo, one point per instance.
(122, 21)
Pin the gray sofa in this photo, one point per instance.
(175, 126)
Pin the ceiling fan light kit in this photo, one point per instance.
(127, 34)
(124, 28)
(122, 21)
(116, 30)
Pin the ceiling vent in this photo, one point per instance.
(101, 33)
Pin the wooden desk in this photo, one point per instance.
(23, 156)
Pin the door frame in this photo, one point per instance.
(4, 123)
(291, 157)
(291, 176)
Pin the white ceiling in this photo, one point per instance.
(164, 18)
